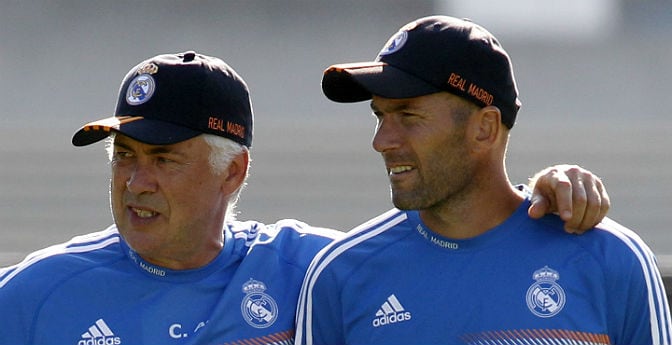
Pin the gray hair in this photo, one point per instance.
(222, 152)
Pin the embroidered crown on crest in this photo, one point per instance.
(253, 286)
(546, 274)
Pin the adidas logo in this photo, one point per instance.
(99, 334)
(391, 312)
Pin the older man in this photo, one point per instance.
(175, 268)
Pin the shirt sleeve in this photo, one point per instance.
(638, 306)
(13, 316)
(319, 314)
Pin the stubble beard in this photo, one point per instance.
(436, 193)
(445, 179)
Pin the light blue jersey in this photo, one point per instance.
(394, 281)
(95, 290)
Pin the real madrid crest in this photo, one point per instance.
(142, 87)
(258, 308)
(398, 40)
(545, 298)
(394, 43)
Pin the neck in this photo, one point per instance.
(184, 260)
(488, 203)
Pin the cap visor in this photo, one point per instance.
(148, 131)
(357, 82)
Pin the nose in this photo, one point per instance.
(386, 136)
(141, 180)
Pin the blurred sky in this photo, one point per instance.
(594, 79)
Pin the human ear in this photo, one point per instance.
(486, 126)
(235, 172)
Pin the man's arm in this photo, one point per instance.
(576, 194)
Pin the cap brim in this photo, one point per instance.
(356, 82)
(153, 132)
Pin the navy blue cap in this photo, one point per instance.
(429, 55)
(174, 97)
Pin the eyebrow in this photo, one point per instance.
(154, 150)
(395, 108)
(116, 143)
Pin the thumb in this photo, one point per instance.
(539, 206)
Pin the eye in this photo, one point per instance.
(410, 117)
(163, 159)
(121, 158)
(121, 154)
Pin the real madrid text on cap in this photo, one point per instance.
(429, 55)
(174, 97)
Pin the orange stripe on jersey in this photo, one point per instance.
(536, 336)
(281, 338)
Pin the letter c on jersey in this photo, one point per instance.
(174, 331)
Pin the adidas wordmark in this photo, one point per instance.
(99, 334)
(391, 312)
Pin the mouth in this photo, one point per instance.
(143, 213)
(396, 170)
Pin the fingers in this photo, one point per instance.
(605, 203)
(551, 193)
(563, 202)
(581, 211)
(576, 194)
(539, 207)
(596, 202)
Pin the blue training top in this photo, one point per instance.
(394, 281)
(95, 290)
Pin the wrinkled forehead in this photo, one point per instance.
(190, 147)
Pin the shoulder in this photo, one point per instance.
(47, 265)
(619, 245)
(254, 233)
(288, 238)
(376, 231)
(629, 264)
(360, 243)
(608, 243)
(615, 252)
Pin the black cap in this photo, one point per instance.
(429, 55)
(174, 97)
